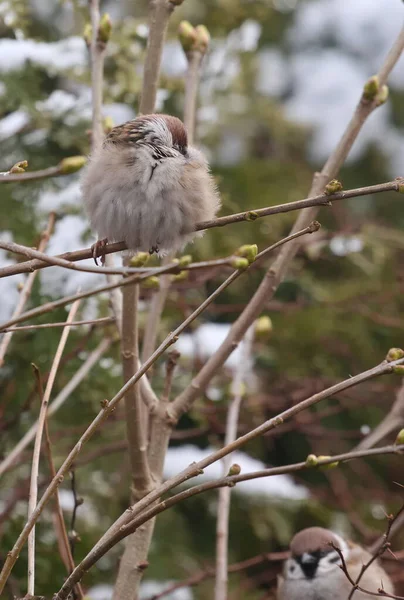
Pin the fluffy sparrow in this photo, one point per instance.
(145, 186)
(313, 571)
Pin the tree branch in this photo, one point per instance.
(321, 199)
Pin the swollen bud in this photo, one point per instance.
(140, 259)
(235, 469)
(400, 437)
(202, 39)
(185, 260)
(248, 251)
(151, 283)
(71, 164)
(187, 36)
(239, 263)
(104, 29)
(181, 276)
(329, 465)
(19, 167)
(88, 34)
(311, 460)
(263, 327)
(333, 187)
(399, 370)
(371, 88)
(107, 124)
(382, 96)
(394, 354)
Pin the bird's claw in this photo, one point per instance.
(98, 250)
(154, 250)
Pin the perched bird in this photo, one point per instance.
(313, 571)
(145, 186)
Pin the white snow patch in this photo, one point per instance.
(278, 486)
(207, 339)
(13, 123)
(53, 56)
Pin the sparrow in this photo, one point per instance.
(147, 187)
(313, 571)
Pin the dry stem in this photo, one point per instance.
(26, 290)
(320, 199)
(33, 492)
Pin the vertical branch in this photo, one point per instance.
(135, 417)
(134, 559)
(26, 290)
(33, 492)
(60, 527)
(222, 524)
(160, 11)
(195, 42)
(278, 269)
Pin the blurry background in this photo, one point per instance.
(279, 84)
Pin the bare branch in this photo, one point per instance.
(26, 290)
(108, 407)
(223, 509)
(63, 395)
(102, 321)
(33, 493)
(60, 527)
(320, 199)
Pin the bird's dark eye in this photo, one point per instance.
(292, 568)
(181, 149)
(334, 559)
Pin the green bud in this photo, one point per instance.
(400, 185)
(71, 164)
(239, 263)
(187, 36)
(107, 124)
(382, 96)
(248, 251)
(399, 370)
(181, 276)
(371, 88)
(333, 187)
(202, 39)
(329, 465)
(19, 167)
(235, 469)
(185, 260)
(88, 33)
(104, 28)
(311, 460)
(394, 354)
(151, 283)
(251, 216)
(263, 327)
(400, 438)
(140, 259)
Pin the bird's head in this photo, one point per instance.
(312, 555)
(163, 136)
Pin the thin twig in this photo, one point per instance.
(77, 501)
(278, 269)
(33, 175)
(108, 407)
(102, 321)
(136, 516)
(210, 572)
(33, 493)
(63, 395)
(319, 199)
(60, 526)
(223, 509)
(26, 290)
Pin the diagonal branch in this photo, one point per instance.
(320, 199)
